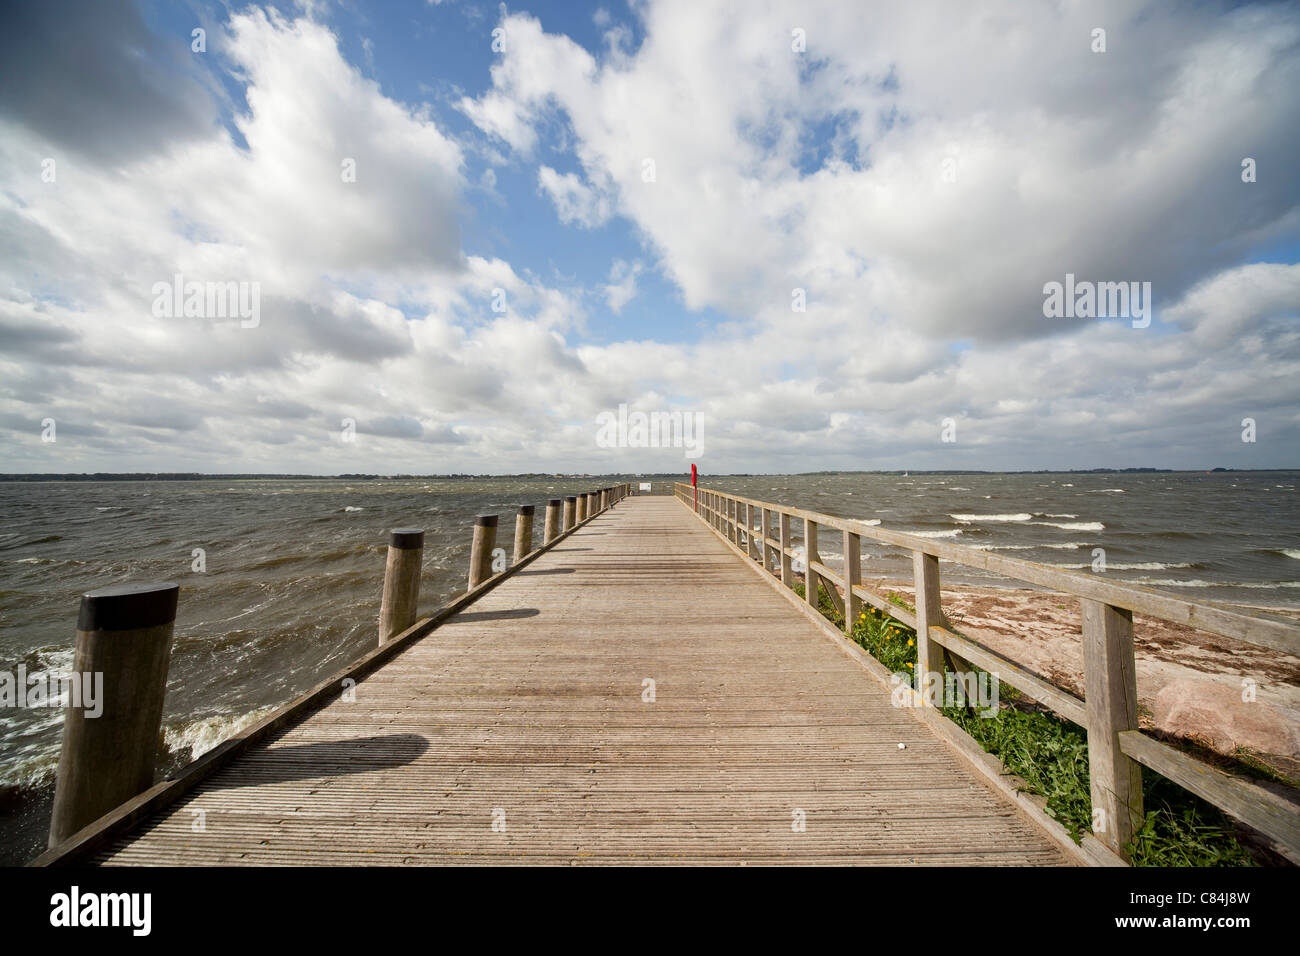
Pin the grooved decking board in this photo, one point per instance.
(530, 702)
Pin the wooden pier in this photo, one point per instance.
(637, 690)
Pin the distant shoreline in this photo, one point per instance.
(648, 476)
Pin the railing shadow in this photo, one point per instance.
(507, 615)
(327, 758)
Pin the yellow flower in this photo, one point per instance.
(909, 642)
(909, 663)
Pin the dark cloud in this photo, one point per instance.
(90, 77)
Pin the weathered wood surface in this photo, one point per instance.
(529, 705)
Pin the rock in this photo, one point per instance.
(1214, 713)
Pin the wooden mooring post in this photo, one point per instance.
(110, 745)
(480, 554)
(401, 582)
(523, 533)
(570, 511)
(551, 530)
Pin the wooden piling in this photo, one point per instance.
(121, 656)
(401, 582)
(570, 511)
(581, 514)
(523, 532)
(551, 530)
(480, 555)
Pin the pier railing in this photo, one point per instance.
(105, 781)
(1117, 750)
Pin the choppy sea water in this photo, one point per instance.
(294, 568)
(1223, 536)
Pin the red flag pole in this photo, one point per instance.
(694, 478)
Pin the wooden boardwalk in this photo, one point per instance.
(516, 732)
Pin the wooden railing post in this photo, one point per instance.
(551, 530)
(765, 548)
(852, 576)
(732, 533)
(929, 611)
(523, 532)
(811, 579)
(570, 511)
(1110, 696)
(787, 570)
(401, 592)
(110, 744)
(480, 554)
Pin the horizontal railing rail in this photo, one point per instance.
(1108, 712)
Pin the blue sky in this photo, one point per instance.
(915, 173)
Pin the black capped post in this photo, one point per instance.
(111, 728)
(551, 530)
(480, 555)
(401, 582)
(523, 532)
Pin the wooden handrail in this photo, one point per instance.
(1260, 629)
(1116, 748)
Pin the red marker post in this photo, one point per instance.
(694, 478)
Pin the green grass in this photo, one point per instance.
(1051, 756)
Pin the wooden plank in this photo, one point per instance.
(766, 541)
(786, 550)
(852, 577)
(882, 603)
(929, 612)
(1237, 796)
(812, 580)
(1110, 696)
(533, 703)
(829, 580)
(1065, 704)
